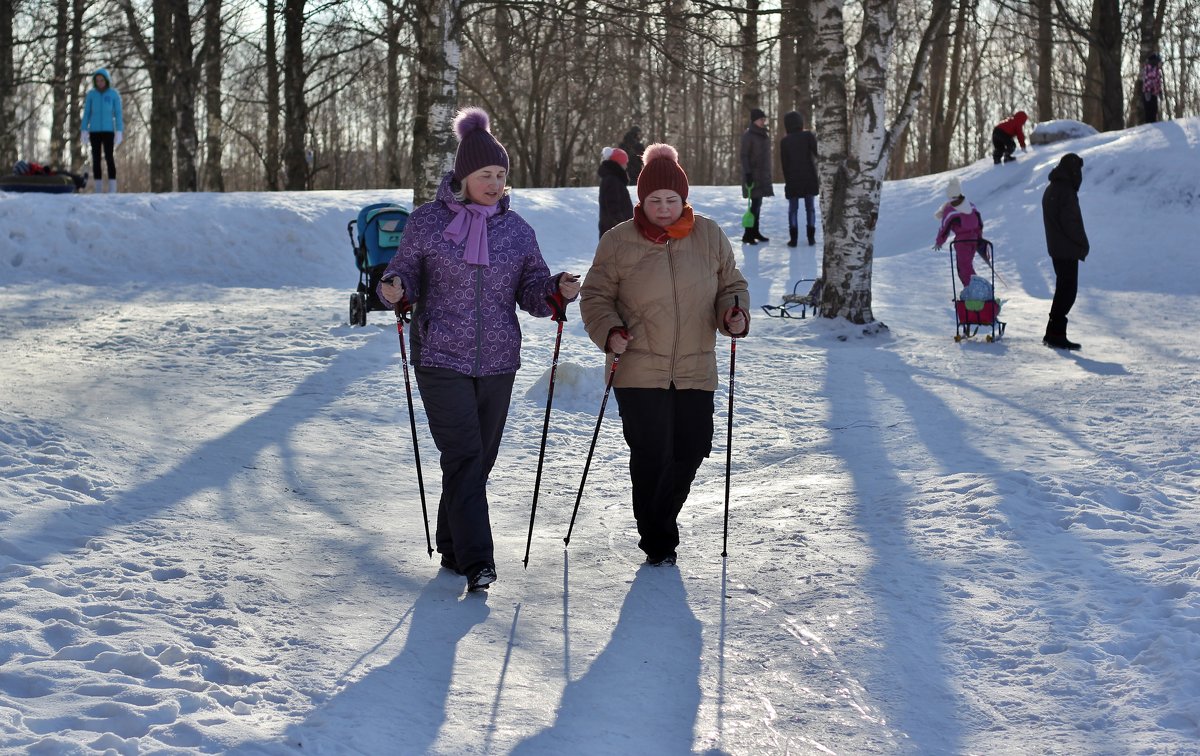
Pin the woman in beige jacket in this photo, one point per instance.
(660, 288)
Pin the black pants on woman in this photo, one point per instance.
(669, 432)
(103, 140)
(466, 419)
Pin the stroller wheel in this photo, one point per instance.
(358, 310)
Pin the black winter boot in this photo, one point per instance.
(812, 236)
(748, 237)
(758, 237)
(793, 232)
(1056, 336)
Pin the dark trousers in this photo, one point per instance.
(103, 140)
(466, 418)
(1066, 286)
(1150, 102)
(1003, 145)
(669, 433)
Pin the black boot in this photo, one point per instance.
(793, 232)
(748, 237)
(1056, 336)
(812, 236)
(758, 237)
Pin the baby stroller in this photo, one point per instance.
(976, 305)
(380, 227)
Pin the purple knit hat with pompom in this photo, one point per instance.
(477, 148)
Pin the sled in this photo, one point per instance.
(804, 302)
(971, 314)
(379, 228)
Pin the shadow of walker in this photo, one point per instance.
(399, 707)
(642, 692)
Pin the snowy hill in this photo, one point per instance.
(211, 538)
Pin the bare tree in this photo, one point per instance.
(186, 79)
(8, 104)
(60, 103)
(214, 178)
(856, 148)
(439, 51)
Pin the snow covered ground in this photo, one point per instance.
(211, 538)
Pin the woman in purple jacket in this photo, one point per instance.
(465, 263)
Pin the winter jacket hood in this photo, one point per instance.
(793, 121)
(671, 298)
(1069, 170)
(1066, 238)
(102, 72)
(464, 315)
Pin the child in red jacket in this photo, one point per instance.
(1005, 137)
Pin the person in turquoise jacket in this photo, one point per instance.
(103, 126)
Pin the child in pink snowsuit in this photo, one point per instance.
(961, 218)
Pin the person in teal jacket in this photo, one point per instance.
(103, 126)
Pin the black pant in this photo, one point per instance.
(669, 432)
(466, 418)
(1151, 104)
(1003, 145)
(103, 140)
(1066, 286)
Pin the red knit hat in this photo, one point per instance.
(661, 171)
(617, 154)
(477, 148)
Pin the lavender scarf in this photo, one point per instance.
(470, 224)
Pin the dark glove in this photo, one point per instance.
(748, 179)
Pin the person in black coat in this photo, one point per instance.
(633, 146)
(615, 204)
(755, 152)
(1067, 243)
(798, 152)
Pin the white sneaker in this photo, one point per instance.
(112, 186)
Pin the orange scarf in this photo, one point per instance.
(659, 235)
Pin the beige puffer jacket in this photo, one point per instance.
(671, 297)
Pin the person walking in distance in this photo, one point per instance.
(615, 204)
(1152, 87)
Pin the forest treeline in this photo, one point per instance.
(223, 95)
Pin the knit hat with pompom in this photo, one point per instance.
(661, 171)
(620, 156)
(477, 148)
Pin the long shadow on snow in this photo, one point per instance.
(212, 465)
(400, 707)
(907, 589)
(642, 693)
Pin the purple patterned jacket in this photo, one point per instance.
(464, 316)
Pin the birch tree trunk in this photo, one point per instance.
(856, 144)
(214, 177)
(751, 86)
(391, 139)
(676, 45)
(75, 114)
(439, 57)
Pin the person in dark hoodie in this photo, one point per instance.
(615, 204)
(798, 152)
(756, 171)
(633, 146)
(1067, 243)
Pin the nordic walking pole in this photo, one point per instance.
(560, 316)
(596, 434)
(729, 438)
(412, 420)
